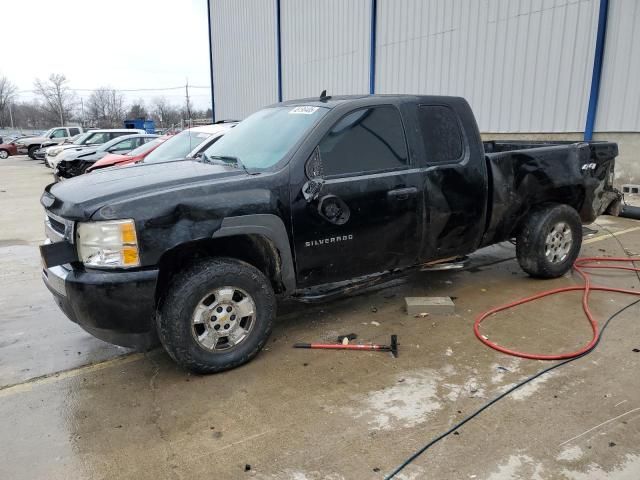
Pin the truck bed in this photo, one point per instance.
(522, 174)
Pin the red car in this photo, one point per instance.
(7, 149)
(133, 156)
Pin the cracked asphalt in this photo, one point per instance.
(75, 407)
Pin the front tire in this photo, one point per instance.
(549, 241)
(32, 151)
(216, 315)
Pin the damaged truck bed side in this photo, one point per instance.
(304, 197)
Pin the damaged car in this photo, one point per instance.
(78, 163)
(306, 199)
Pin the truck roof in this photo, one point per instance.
(334, 101)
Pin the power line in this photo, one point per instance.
(124, 89)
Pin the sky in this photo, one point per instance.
(122, 44)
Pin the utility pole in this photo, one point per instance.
(11, 115)
(82, 111)
(186, 89)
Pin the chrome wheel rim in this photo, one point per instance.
(4, 154)
(558, 243)
(223, 319)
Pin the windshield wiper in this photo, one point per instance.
(226, 160)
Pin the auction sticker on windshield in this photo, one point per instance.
(304, 110)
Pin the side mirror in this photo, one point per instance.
(311, 190)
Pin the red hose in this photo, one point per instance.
(579, 266)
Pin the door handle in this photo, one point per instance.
(402, 193)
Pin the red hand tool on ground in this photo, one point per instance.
(393, 347)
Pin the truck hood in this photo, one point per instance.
(34, 139)
(79, 198)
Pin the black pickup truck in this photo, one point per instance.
(306, 199)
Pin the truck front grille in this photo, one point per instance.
(58, 229)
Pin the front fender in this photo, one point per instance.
(271, 227)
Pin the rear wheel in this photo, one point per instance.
(216, 315)
(549, 241)
(4, 154)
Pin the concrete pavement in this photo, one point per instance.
(302, 414)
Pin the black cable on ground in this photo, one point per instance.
(502, 395)
(487, 405)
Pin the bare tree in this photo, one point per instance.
(137, 110)
(7, 94)
(30, 114)
(57, 98)
(106, 108)
(164, 113)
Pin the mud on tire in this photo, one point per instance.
(186, 293)
(542, 244)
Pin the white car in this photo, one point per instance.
(92, 138)
(189, 143)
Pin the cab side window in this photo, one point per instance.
(365, 141)
(441, 134)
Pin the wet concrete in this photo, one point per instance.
(301, 414)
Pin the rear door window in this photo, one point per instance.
(74, 131)
(364, 141)
(441, 134)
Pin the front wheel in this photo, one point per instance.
(549, 241)
(32, 151)
(216, 315)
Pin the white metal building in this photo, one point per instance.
(553, 67)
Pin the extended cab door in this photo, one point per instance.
(361, 212)
(455, 182)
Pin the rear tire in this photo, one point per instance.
(4, 154)
(549, 241)
(193, 332)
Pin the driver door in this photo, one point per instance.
(360, 211)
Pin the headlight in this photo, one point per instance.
(52, 152)
(110, 244)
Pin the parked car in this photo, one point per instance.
(91, 139)
(188, 143)
(77, 162)
(56, 135)
(41, 153)
(135, 155)
(306, 199)
(8, 149)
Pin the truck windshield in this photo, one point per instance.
(264, 138)
(177, 147)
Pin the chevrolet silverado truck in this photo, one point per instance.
(306, 199)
